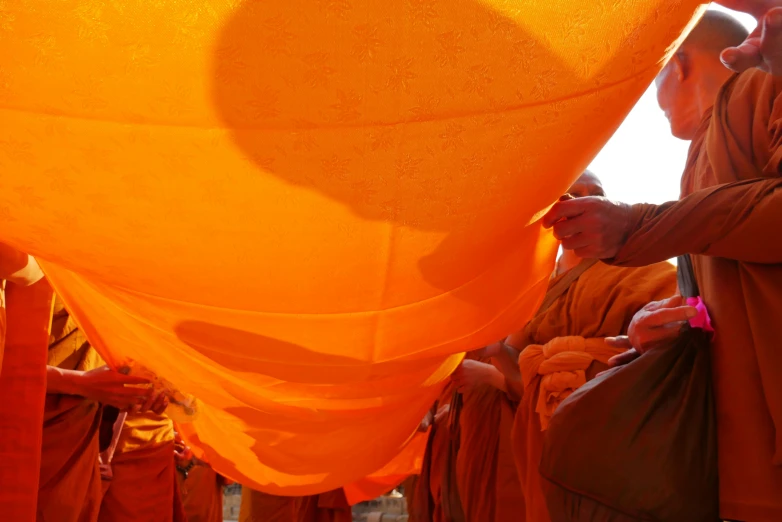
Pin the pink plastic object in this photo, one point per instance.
(702, 320)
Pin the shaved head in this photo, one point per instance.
(587, 184)
(688, 85)
(715, 31)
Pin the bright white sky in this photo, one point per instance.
(642, 163)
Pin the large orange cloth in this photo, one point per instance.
(331, 506)
(70, 486)
(486, 475)
(143, 485)
(202, 494)
(566, 347)
(23, 393)
(286, 208)
(732, 203)
(262, 507)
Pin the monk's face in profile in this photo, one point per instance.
(676, 96)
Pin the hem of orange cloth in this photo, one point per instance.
(745, 512)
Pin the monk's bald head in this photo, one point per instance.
(687, 86)
(713, 33)
(587, 184)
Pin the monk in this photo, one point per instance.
(201, 488)
(331, 506)
(143, 484)
(262, 507)
(726, 219)
(424, 493)
(564, 346)
(78, 384)
(25, 311)
(486, 476)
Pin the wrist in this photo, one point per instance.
(66, 382)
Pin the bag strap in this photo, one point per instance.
(688, 286)
(561, 286)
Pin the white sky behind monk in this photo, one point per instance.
(643, 163)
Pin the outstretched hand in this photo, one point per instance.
(593, 226)
(763, 47)
(653, 325)
(107, 386)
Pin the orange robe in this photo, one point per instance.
(331, 506)
(202, 494)
(486, 474)
(599, 304)
(23, 392)
(262, 507)
(728, 219)
(70, 486)
(440, 446)
(143, 486)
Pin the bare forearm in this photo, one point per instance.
(62, 381)
(729, 221)
(508, 363)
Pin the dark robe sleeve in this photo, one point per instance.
(740, 221)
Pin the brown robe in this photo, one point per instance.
(262, 507)
(22, 397)
(143, 485)
(202, 494)
(600, 303)
(331, 506)
(70, 486)
(486, 475)
(729, 218)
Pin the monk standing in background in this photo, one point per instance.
(200, 486)
(728, 220)
(143, 486)
(262, 507)
(78, 385)
(564, 344)
(486, 476)
(25, 311)
(331, 506)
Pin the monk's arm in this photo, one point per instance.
(735, 221)
(507, 362)
(61, 381)
(18, 267)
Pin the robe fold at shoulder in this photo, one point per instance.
(729, 215)
(70, 486)
(600, 303)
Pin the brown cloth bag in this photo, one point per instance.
(639, 443)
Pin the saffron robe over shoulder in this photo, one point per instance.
(599, 304)
(728, 218)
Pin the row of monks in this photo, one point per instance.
(108, 452)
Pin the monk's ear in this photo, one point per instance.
(680, 66)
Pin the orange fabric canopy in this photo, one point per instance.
(299, 210)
